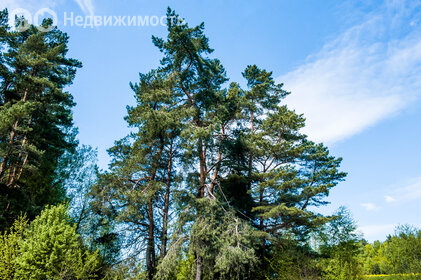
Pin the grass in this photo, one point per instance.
(392, 277)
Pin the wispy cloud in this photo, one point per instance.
(87, 6)
(370, 206)
(30, 5)
(409, 191)
(370, 72)
(389, 199)
(376, 232)
(15, 7)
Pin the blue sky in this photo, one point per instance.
(353, 68)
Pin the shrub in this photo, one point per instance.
(51, 249)
(9, 248)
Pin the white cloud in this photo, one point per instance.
(87, 6)
(389, 199)
(30, 5)
(370, 206)
(377, 232)
(411, 190)
(370, 72)
(15, 7)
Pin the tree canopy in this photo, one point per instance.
(216, 179)
(36, 126)
(230, 165)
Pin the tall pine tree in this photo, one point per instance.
(230, 164)
(35, 117)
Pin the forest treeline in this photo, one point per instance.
(215, 181)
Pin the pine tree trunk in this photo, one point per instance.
(25, 160)
(261, 204)
(3, 166)
(166, 206)
(261, 224)
(201, 194)
(218, 164)
(202, 162)
(10, 143)
(198, 268)
(250, 163)
(250, 167)
(150, 248)
(17, 170)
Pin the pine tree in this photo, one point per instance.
(139, 185)
(235, 162)
(197, 89)
(35, 115)
(211, 112)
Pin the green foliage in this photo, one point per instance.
(391, 277)
(213, 182)
(399, 254)
(51, 249)
(124, 271)
(344, 262)
(136, 190)
(341, 248)
(9, 248)
(222, 243)
(403, 250)
(288, 260)
(229, 165)
(184, 269)
(36, 126)
(375, 261)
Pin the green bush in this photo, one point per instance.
(51, 249)
(289, 261)
(9, 248)
(344, 262)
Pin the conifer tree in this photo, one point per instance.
(35, 115)
(197, 88)
(234, 161)
(286, 172)
(209, 119)
(138, 187)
